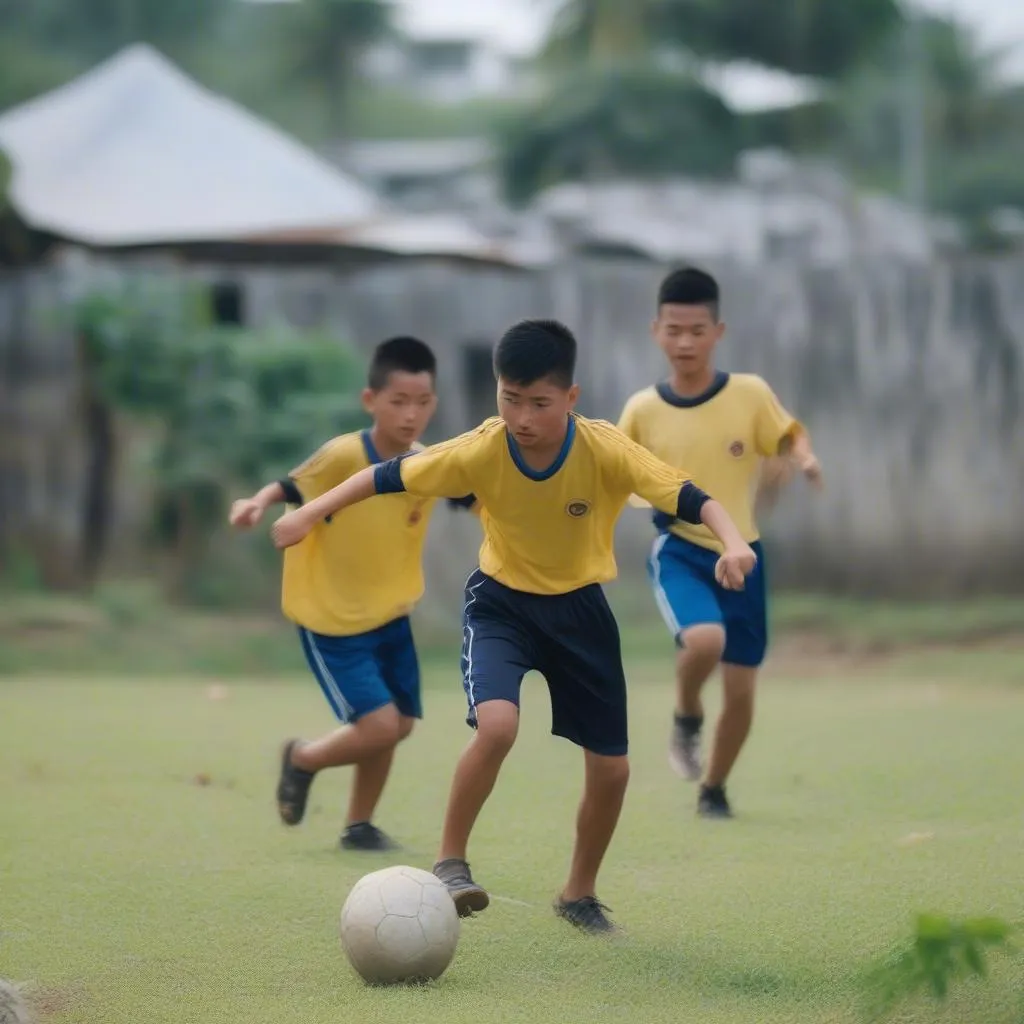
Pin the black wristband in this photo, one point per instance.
(292, 494)
(690, 502)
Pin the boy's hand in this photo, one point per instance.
(246, 513)
(811, 468)
(290, 529)
(735, 565)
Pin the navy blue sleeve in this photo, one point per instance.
(292, 494)
(691, 500)
(467, 502)
(387, 476)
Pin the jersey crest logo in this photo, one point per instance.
(736, 449)
(415, 515)
(578, 508)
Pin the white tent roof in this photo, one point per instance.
(134, 152)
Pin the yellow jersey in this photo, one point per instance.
(720, 436)
(362, 567)
(547, 532)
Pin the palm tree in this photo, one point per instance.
(600, 30)
(618, 119)
(324, 42)
(820, 38)
(614, 105)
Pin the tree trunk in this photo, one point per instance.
(100, 473)
(185, 549)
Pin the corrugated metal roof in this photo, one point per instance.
(406, 234)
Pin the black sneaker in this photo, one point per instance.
(368, 838)
(588, 914)
(713, 803)
(469, 897)
(292, 787)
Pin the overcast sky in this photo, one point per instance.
(516, 25)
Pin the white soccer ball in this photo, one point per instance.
(12, 1008)
(399, 926)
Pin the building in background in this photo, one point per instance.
(424, 174)
(448, 70)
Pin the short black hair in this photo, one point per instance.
(689, 286)
(402, 354)
(534, 350)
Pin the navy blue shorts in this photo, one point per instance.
(368, 671)
(683, 577)
(571, 639)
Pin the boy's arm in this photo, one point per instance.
(247, 512)
(327, 466)
(781, 434)
(673, 492)
(775, 473)
(436, 472)
(796, 446)
(293, 526)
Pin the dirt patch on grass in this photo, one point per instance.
(812, 653)
(51, 1002)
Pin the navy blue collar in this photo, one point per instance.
(543, 474)
(666, 394)
(373, 456)
(371, 450)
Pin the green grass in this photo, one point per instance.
(129, 894)
(125, 628)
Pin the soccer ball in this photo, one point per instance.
(12, 1009)
(399, 926)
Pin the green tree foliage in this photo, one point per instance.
(632, 120)
(228, 408)
(95, 29)
(45, 43)
(959, 83)
(323, 43)
(28, 69)
(623, 100)
(973, 123)
(941, 951)
(600, 30)
(820, 38)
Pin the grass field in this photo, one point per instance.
(132, 894)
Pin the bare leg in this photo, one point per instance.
(603, 791)
(372, 738)
(370, 777)
(476, 773)
(700, 651)
(351, 744)
(738, 686)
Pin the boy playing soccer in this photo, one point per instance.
(719, 426)
(349, 587)
(552, 485)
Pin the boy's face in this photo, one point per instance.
(687, 335)
(403, 407)
(536, 413)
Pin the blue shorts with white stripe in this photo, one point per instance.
(683, 579)
(363, 673)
